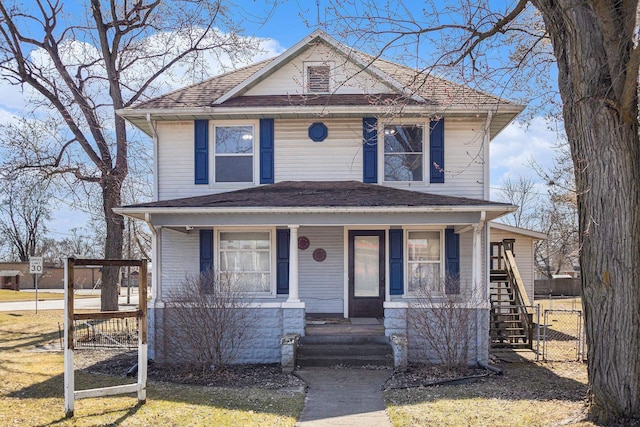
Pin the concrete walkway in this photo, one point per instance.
(344, 397)
(79, 303)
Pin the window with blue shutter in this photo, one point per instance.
(201, 151)
(452, 261)
(282, 261)
(370, 150)
(436, 151)
(396, 262)
(266, 151)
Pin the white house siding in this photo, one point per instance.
(523, 249)
(321, 284)
(337, 158)
(289, 80)
(180, 259)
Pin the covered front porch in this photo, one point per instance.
(325, 250)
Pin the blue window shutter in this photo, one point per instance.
(452, 261)
(201, 151)
(206, 250)
(282, 261)
(436, 151)
(266, 151)
(396, 262)
(370, 150)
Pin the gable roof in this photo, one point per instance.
(415, 93)
(318, 196)
(536, 235)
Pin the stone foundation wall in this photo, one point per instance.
(397, 325)
(262, 346)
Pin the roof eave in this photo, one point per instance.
(144, 212)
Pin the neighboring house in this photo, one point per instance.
(523, 250)
(52, 277)
(331, 182)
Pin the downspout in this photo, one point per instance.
(486, 152)
(154, 137)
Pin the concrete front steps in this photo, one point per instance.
(345, 345)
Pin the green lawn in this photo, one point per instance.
(31, 389)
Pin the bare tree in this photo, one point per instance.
(521, 192)
(86, 63)
(440, 323)
(207, 319)
(594, 43)
(24, 211)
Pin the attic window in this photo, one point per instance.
(318, 78)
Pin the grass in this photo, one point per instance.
(528, 394)
(31, 389)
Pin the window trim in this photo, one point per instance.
(408, 293)
(255, 154)
(307, 65)
(272, 255)
(426, 131)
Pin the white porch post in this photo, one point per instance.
(293, 264)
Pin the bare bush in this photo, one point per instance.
(440, 323)
(206, 321)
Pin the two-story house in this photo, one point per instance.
(328, 182)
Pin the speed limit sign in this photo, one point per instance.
(35, 265)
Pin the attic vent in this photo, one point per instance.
(318, 78)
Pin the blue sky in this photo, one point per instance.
(511, 152)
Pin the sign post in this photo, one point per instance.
(35, 268)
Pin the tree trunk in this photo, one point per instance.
(111, 191)
(593, 46)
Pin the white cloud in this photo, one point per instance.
(520, 145)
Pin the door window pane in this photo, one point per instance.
(366, 266)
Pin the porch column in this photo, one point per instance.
(156, 262)
(293, 264)
(476, 266)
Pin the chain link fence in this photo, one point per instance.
(561, 335)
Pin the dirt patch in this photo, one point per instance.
(119, 363)
(424, 375)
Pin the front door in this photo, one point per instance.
(366, 273)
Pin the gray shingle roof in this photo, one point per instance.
(436, 91)
(314, 194)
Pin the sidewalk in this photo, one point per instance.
(344, 397)
(79, 303)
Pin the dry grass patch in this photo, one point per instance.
(528, 394)
(31, 389)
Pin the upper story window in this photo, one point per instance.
(317, 77)
(245, 259)
(403, 153)
(424, 261)
(233, 153)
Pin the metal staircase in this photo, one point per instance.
(511, 314)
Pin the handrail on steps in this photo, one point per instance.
(520, 293)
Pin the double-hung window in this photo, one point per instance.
(403, 152)
(233, 153)
(424, 259)
(245, 260)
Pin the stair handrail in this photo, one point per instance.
(516, 279)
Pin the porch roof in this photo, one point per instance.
(315, 196)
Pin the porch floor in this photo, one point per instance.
(368, 326)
